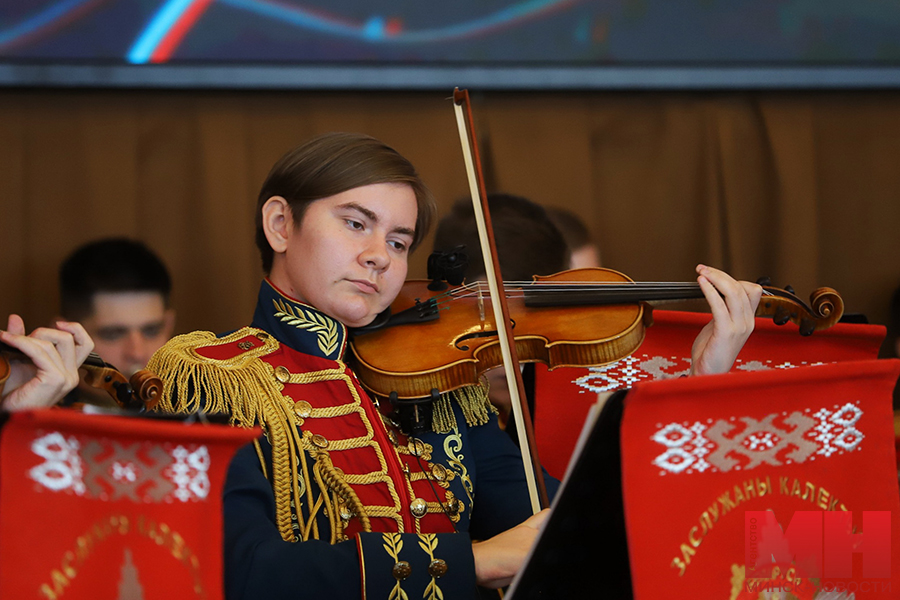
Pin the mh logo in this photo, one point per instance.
(818, 543)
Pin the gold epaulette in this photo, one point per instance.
(235, 382)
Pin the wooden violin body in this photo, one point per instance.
(455, 349)
(584, 317)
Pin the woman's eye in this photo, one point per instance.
(354, 224)
(398, 246)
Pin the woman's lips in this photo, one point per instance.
(365, 286)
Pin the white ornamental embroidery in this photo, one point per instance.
(745, 442)
(190, 473)
(626, 372)
(630, 370)
(687, 448)
(124, 472)
(62, 468)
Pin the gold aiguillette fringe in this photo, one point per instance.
(237, 386)
(475, 405)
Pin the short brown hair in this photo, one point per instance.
(528, 243)
(333, 163)
(110, 265)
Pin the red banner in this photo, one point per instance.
(698, 454)
(564, 395)
(112, 506)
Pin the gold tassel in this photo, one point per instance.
(475, 404)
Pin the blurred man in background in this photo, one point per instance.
(119, 290)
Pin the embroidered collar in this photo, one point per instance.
(298, 325)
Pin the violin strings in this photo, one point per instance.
(520, 289)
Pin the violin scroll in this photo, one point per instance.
(142, 390)
(147, 387)
(824, 310)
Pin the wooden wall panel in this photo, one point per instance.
(802, 187)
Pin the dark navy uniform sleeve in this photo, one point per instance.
(501, 491)
(260, 565)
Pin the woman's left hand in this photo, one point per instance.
(733, 305)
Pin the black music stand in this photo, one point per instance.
(582, 546)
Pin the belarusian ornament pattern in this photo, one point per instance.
(61, 469)
(743, 443)
(107, 469)
(626, 372)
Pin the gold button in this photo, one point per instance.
(439, 472)
(437, 568)
(282, 374)
(416, 447)
(345, 513)
(418, 507)
(392, 436)
(319, 441)
(262, 335)
(452, 504)
(401, 570)
(303, 409)
(245, 345)
(454, 507)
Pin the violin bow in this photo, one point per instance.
(537, 491)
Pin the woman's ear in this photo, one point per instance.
(277, 223)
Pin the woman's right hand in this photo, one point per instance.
(498, 559)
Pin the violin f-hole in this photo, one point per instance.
(479, 334)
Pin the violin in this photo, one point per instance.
(141, 391)
(576, 318)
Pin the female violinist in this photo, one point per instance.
(50, 369)
(335, 500)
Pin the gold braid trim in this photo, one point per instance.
(288, 484)
(283, 453)
(246, 388)
(473, 400)
(329, 478)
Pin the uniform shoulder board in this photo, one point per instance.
(216, 374)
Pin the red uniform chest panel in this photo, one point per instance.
(339, 417)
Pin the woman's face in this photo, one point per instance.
(348, 257)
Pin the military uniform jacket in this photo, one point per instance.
(334, 501)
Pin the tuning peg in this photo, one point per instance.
(807, 326)
(789, 289)
(782, 315)
(764, 281)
